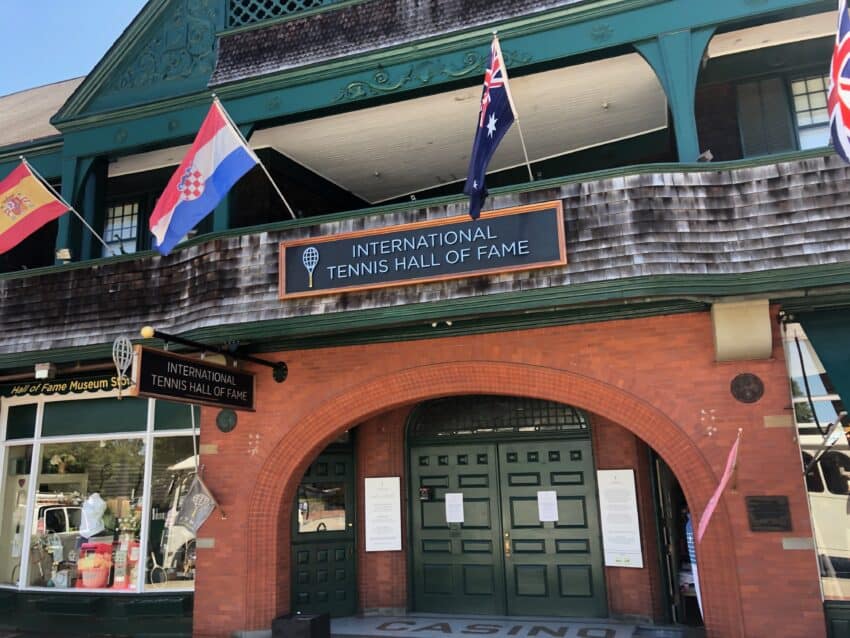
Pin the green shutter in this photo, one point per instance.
(764, 117)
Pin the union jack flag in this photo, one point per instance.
(839, 86)
(495, 118)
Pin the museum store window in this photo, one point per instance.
(91, 488)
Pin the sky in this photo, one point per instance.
(46, 41)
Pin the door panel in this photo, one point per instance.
(457, 567)
(502, 558)
(552, 568)
(323, 562)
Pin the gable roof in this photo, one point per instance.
(25, 115)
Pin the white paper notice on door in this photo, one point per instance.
(454, 507)
(547, 506)
(619, 517)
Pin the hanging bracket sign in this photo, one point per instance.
(164, 375)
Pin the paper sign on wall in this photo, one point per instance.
(547, 506)
(454, 507)
(383, 514)
(619, 518)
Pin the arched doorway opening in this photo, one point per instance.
(268, 584)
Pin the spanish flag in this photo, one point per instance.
(25, 206)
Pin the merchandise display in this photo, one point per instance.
(87, 515)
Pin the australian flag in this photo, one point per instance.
(495, 118)
(839, 86)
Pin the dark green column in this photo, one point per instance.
(676, 58)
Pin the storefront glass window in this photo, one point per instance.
(77, 477)
(14, 512)
(87, 514)
(321, 507)
(171, 548)
(827, 459)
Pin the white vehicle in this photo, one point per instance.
(816, 408)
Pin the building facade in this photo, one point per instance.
(513, 417)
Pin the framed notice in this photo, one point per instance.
(619, 518)
(383, 514)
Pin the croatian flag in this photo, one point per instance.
(215, 162)
(495, 118)
(839, 86)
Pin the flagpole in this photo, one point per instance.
(245, 141)
(61, 199)
(513, 107)
(734, 479)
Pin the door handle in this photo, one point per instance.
(507, 544)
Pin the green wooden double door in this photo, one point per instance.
(502, 559)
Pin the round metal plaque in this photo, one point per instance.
(747, 388)
(226, 420)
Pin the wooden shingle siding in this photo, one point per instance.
(714, 222)
(356, 28)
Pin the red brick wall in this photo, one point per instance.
(631, 592)
(382, 576)
(656, 377)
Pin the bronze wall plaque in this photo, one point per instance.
(768, 513)
(747, 388)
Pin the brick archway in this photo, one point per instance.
(269, 557)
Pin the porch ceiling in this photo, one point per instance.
(392, 150)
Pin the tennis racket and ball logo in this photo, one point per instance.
(310, 258)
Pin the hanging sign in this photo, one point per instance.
(619, 517)
(165, 375)
(500, 241)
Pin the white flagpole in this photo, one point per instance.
(70, 208)
(511, 101)
(242, 137)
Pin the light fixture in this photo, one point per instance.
(45, 370)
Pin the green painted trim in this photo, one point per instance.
(79, 614)
(41, 145)
(577, 303)
(552, 35)
(556, 34)
(287, 18)
(46, 160)
(113, 58)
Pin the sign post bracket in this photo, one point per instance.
(279, 368)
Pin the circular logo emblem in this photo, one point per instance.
(747, 388)
(226, 420)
